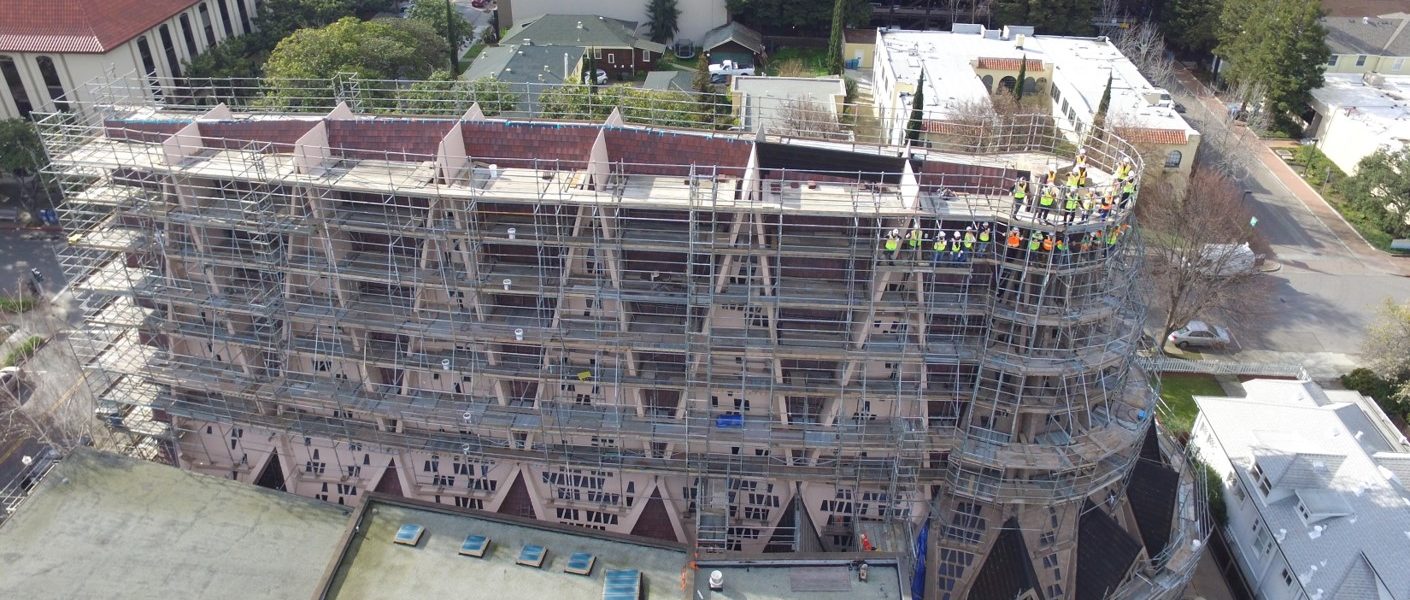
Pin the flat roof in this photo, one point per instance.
(374, 567)
(1381, 108)
(106, 526)
(821, 88)
(821, 579)
(1080, 65)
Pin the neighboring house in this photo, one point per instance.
(1358, 114)
(966, 66)
(1369, 44)
(614, 45)
(673, 80)
(733, 42)
(859, 48)
(697, 16)
(528, 69)
(50, 49)
(1315, 485)
(779, 105)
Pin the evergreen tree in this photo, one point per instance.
(1048, 17)
(662, 18)
(834, 42)
(917, 120)
(1022, 75)
(1191, 26)
(1277, 44)
(1099, 120)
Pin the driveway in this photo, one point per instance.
(1331, 283)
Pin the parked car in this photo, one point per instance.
(728, 68)
(1198, 334)
(600, 77)
(480, 4)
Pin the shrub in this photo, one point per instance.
(23, 351)
(1383, 391)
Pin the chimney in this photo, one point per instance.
(1018, 41)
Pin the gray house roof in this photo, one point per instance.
(564, 30)
(733, 32)
(674, 80)
(521, 65)
(1368, 35)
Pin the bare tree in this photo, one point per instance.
(1386, 350)
(1144, 46)
(1199, 242)
(805, 118)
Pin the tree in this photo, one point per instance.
(1191, 26)
(1386, 351)
(240, 57)
(382, 49)
(1022, 75)
(1189, 235)
(279, 18)
(1278, 43)
(21, 155)
(805, 118)
(662, 18)
(1381, 189)
(1144, 46)
(1055, 17)
(450, 27)
(797, 17)
(835, 40)
(446, 94)
(1099, 120)
(917, 119)
(574, 101)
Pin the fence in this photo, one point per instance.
(1166, 364)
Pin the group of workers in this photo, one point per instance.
(960, 246)
(1073, 198)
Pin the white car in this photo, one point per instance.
(1198, 334)
(728, 68)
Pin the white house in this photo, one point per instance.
(1066, 75)
(778, 104)
(1358, 114)
(1315, 483)
(49, 49)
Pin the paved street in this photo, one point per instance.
(1331, 283)
(18, 254)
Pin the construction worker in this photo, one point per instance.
(1062, 250)
(941, 248)
(915, 241)
(1020, 192)
(957, 251)
(1128, 190)
(1081, 161)
(1081, 176)
(1046, 202)
(1123, 172)
(1098, 240)
(1072, 181)
(893, 245)
(1105, 210)
(969, 239)
(1115, 235)
(1012, 242)
(1051, 177)
(1084, 246)
(984, 237)
(1069, 207)
(1035, 243)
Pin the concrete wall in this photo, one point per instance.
(696, 18)
(76, 70)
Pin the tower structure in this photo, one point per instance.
(744, 344)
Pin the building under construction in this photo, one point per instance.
(687, 335)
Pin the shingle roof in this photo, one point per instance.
(1105, 553)
(79, 26)
(1009, 64)
(1370, 35)
(735, 32)
(563, 30)
(1008, 571)
(1152, 494)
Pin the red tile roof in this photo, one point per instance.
(933, 126)
(1146, 135)
(81, 26)
(1006, 64)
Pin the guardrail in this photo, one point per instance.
(16, 491)
(1166, 364)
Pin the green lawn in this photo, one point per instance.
(1177, 394)
(470, 53)
(813, 61)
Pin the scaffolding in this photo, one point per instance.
(610, 316)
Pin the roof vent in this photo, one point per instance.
(717, 581)
(1018, 41)
(1314, 534)
(1366, 20)
(527, 42)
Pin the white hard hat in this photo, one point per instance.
(955, 234)
(895, 232)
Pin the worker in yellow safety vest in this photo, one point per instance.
(1081, 161)
(1046, 202)
(1069, 207)
(1072, 181)
(1020, 193)
(893, 244)
(1127, 191)
(1081, 177)
(1123, 171)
